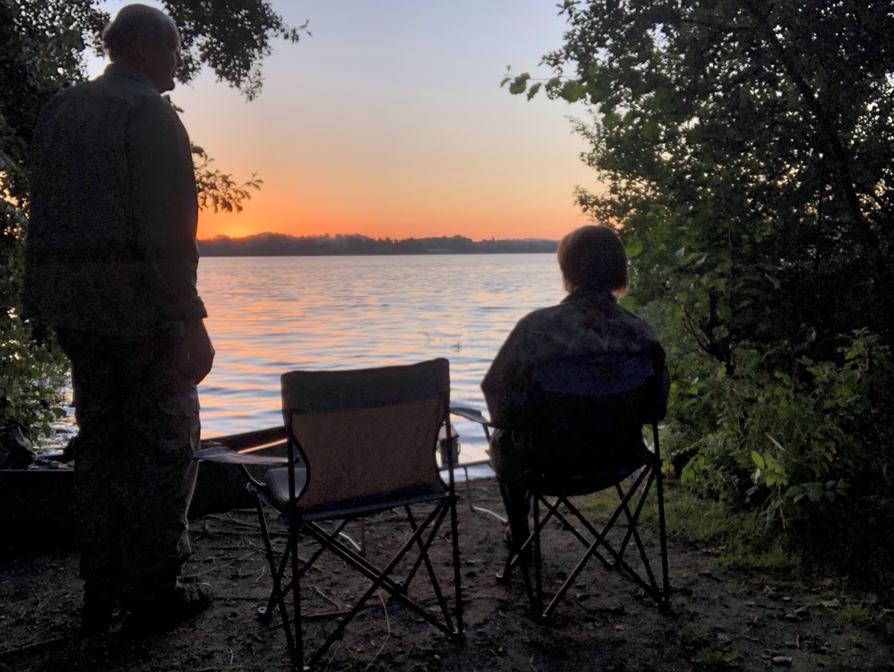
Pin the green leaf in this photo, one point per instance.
(519, 84)
(553, 85)
(610, 120)
(573, 90)
(633, 247)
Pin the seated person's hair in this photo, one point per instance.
(593, 258)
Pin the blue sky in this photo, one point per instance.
(389, 120)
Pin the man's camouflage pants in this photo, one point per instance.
(138, 424)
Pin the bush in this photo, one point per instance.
(32, 372)
(808, 449)
(32, 376)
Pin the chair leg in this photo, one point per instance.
(661, 594)
(296, 596)
(277, 595)
(423, 559)
(538, 569)
(278, 590)
(632, 533)
(662, 535)
(662, 529)
(457, 574)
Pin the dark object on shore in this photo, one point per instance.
(15, 447)
(37, 507)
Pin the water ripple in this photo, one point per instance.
(268, 315)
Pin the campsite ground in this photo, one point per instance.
(724, 617)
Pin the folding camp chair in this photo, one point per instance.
(361, 442)
(581, 408)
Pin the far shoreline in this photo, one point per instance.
(283, 245)
(432, 253)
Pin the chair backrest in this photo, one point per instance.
(367, 433)
(589, 411)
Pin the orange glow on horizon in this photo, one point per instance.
(236, 227)
(264, 213)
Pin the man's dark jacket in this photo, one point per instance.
(111, 239)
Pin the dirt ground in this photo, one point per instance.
(721, 619)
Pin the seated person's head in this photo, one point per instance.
(592, 258)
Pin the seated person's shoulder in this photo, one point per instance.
(540, 319)
(635, 324)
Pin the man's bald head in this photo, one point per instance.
(147, 40)
(132, 23)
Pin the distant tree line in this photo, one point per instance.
(276, 244)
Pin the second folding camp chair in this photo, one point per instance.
(583, 407)
(362, 442)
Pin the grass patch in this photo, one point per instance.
(693, 638)
(740, 540)
(714, 660)
(867, 612)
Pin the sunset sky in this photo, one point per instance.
(389, 121)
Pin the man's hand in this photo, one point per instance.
(198, 351)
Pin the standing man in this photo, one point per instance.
(111, 266)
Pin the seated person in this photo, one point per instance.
(538, 385)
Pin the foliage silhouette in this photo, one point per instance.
(746, 152)
(43, 44)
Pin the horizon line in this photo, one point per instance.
(221, 236)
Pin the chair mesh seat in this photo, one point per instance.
(277, 489)
(584, 483)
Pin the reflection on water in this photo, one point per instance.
(268, 315)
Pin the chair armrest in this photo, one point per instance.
(255, 439)
(211, 451)
(470, 413)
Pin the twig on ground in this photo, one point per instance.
(206, 530)
(226, 564)
(387, 635)
(236, 547)
(34, 646)
(335, 604)
(227, 518)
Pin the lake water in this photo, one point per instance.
(268, 315)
